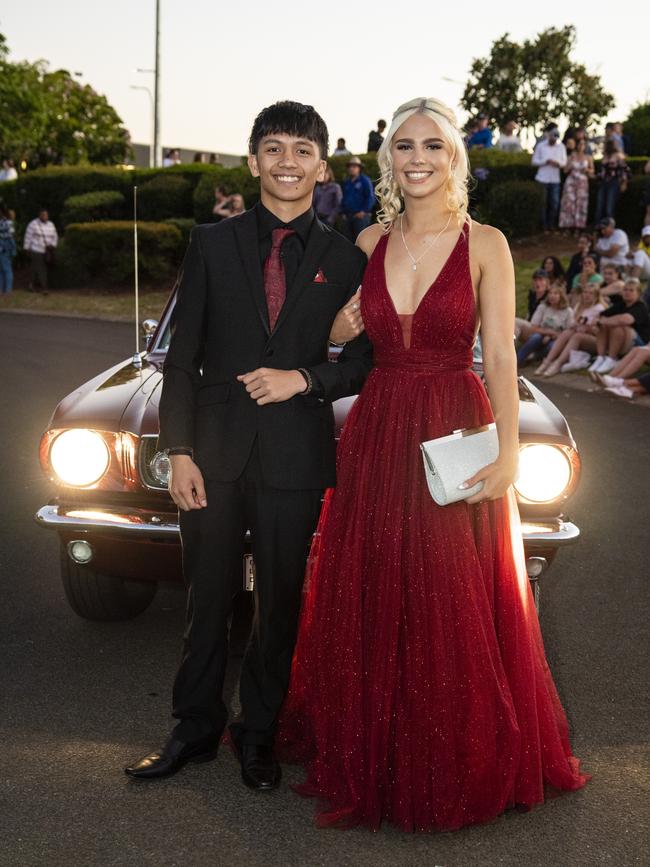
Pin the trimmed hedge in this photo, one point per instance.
(182, 192)
(51, 186)
(515, 207)
(93, 252)
(89, 207)
(184, 226)
(163, 197)
(631, 207)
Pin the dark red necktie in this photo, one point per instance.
(275, 278)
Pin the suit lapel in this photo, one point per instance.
(320, 237)
(248, 245)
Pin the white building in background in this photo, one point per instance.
(141, 155)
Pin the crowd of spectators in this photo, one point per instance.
(595, 316)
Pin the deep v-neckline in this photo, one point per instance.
(437, 278)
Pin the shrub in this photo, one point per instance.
(8, 194)
(50, 187)
(92, 252)
(515, 207)
(184, 226)
(637, 127)
(165, 196)
(631, 208)
(89, 207)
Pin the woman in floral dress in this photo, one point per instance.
(575, 195)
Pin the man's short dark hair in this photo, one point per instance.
(290, 118)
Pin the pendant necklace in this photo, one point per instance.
(415, 261)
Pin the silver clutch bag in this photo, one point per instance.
(452, 459)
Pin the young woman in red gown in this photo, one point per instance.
(420, 692)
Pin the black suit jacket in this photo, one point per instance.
(220, 329)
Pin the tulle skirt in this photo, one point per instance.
(420, 692)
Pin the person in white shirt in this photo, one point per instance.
(550, 156)
(8, 171)
(638, 261)
(613, 244)
(41, 238)
(508, 138)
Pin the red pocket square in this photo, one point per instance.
(320, 277)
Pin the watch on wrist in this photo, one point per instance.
(180, 450)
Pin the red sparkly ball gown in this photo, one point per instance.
(420, 693)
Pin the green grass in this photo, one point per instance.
(81, 303)
(114, 305)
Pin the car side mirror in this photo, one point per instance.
(148, 329)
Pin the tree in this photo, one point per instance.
(534, 82)
(48, 117)
(637, 127)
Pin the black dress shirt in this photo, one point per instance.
(291, 252)
(293, 247)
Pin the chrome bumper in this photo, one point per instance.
(150, 524)
(143, 523)
(549, 534)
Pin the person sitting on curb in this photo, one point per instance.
(588, 276)
(630, 388)
(536, 294)
(551, 318)
(575, 345)
(623, 325)
(632, 362)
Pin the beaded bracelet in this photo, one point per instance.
(307, 377)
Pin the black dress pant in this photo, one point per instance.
(281, 525)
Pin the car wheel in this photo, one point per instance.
(103, 597)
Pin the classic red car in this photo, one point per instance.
(118, 526)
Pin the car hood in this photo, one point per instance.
(127, 398)
(103, 402)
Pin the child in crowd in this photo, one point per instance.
(588, 275)
(554, 269)
(551, 317)
(613, 282)
(536, 295)
(573, 348)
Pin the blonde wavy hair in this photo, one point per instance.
(388, 191)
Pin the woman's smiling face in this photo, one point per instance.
(421, 157)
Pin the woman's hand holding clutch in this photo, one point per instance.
(496, 477)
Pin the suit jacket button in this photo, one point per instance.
(269, 353)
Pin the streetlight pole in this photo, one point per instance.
(156, 111)
(156, 91)
(150, 95)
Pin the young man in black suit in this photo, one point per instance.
(246, 414)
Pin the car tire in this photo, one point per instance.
(95, 596)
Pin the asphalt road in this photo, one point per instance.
(79, 700)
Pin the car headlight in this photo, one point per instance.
(160, 468)
(544, 473)
(79, 457)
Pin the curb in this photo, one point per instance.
(64, 315)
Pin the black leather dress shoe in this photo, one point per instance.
(259, 770)
(171, 758)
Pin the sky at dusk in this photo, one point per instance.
(221, 63)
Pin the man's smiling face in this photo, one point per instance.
(288, 167)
